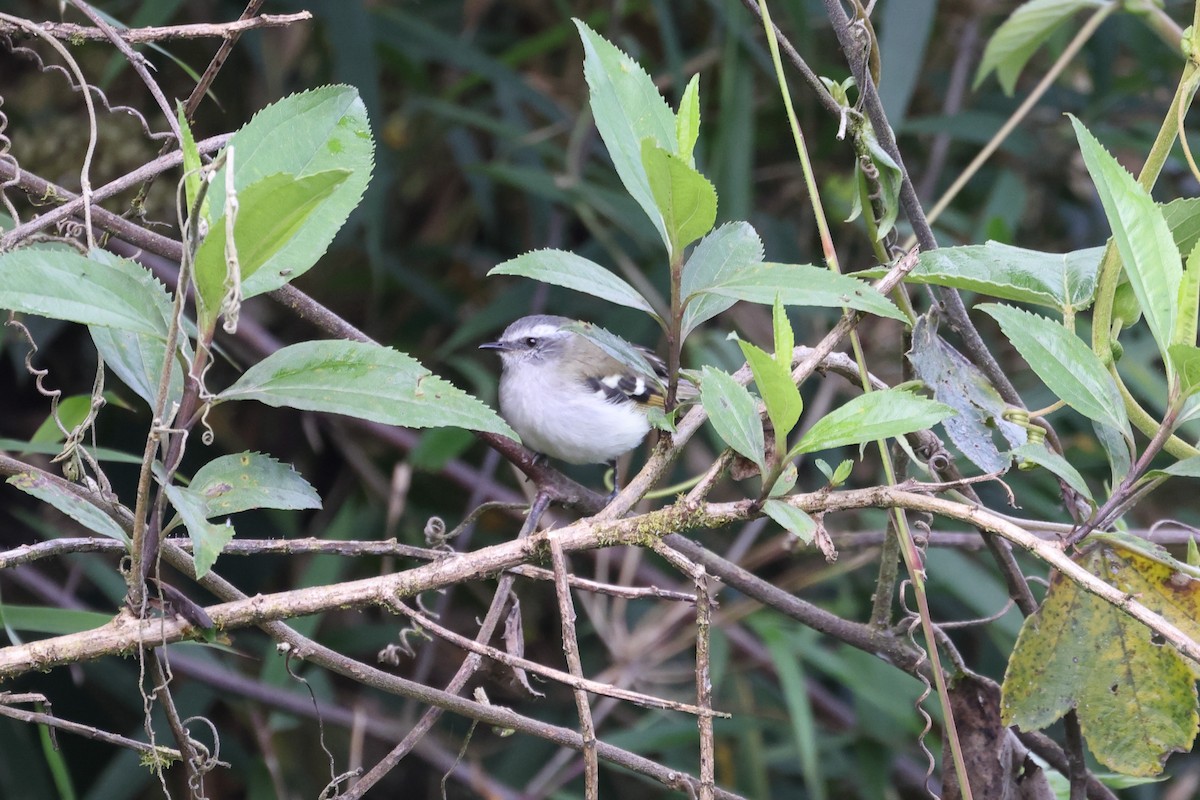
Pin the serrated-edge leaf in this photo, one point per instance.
(627, 108)
(362, 380)
(1189, 299)
(791, 519)
(803, 285)
(570, 271)
(875, 415)
(208, 538)
(1144, 240)
(1021, 35)
(785, 337)
(62, 284)
(778, 392)
(191, 161)
(726, 250)
(242, 481)
(1063, 362)
(273, 212)
(303, 133)
(686, 199)
(1056, 280)
(687, 121)
(68, 503)
(734, 414)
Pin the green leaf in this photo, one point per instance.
(1042, 456)
(785, 337)
(1187, 468)
(208, 539)
(62, 284)
(871, 416)
(1189, 300)
(1063, 281)
(1022, 34)
(734, 414)
(627, 108)
(791, 519)
(53, 621)
(802, 285)
(1183, 218)
(685, 198)
(724, 252)
(242, 481)
(1185, 358)
(362, 380)
(71, 411)
(272, 213)
(1147, 249)
(687, 121)
(68, 503)
(961, 385)
(137, 358)
(774, 382)
(1064, 363)
(302, 134)
(564, 268)
(192, 165)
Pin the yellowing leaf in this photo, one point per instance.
(1135, 695)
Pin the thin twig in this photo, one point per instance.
(566, 610)
(216, 30)
(87, 731)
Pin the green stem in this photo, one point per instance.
(913, 560)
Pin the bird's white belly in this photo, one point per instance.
(579, 427)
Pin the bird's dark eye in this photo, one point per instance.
(531, 341)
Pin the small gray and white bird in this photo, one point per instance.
(566, 397)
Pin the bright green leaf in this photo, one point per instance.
(1147, 249)
(791, 519)
(785, 337)
(242, 481)
(1022, 34)
(192, 165)
(778, 391)
(68, 503)
(272, 213)
(871, 416)
(1185, 358)
(802, 285)
(71, 411)
(1064, 363)
(734, 414)
(888, 180)
(722, 253)
(62, 284)
(1189, 300)
(362, 380)
(302, 134)
(686, 199)
(564, 268)
(627, 108)
(208, 539)
(687, 121)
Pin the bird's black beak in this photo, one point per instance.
(493, 346)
